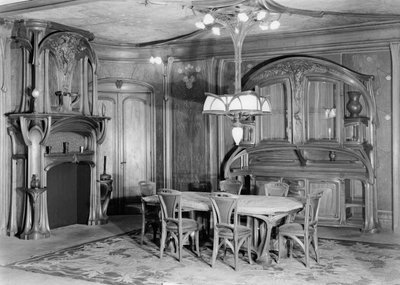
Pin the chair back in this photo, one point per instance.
(276, 189)
(223, 206)
(232, 186)
(147, 188)
(170, 201)
(311, 209)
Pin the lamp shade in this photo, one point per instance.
(245, 102)
(215, 104)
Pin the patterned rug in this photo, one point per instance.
(122, 260)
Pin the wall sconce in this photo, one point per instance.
(155, 60)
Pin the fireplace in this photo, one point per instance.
(68, 194)
(56, 132)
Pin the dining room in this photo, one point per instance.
(195, 142)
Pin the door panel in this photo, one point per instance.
(129, 141)
(135, 145)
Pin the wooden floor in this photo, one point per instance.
(13, 249)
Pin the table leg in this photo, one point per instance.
(262, 249)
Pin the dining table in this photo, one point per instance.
(265, 209)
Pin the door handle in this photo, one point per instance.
(123, 162)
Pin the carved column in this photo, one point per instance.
(5, 99)
(395, 51)
(167, 128)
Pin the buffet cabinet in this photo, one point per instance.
(320, 134)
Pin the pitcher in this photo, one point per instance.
(67, 100)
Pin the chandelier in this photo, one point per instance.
(237, 20)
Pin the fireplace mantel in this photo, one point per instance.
(58, 106)
(30, 133)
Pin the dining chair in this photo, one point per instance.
(232, 186)
(173, 226)
(150, 212)
(276, 189)
(233, 235)
(307, 231)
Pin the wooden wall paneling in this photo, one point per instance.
(211, 132)
(5, 99)
(395, 52)
(188, 134)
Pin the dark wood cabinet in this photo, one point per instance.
(320, 134)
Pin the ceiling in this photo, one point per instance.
(144, 22)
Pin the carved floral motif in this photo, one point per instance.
(67, 49)
(189, 73)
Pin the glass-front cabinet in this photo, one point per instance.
(321, 99)
(274, 126)
(320, 131)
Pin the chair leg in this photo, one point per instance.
(280, 247)
(236, 253)
(143, 223)
(180, 245)
(315, 242)
(307, 250)
(197, 244)
(215, 249)
(162, 241)
(249, 249)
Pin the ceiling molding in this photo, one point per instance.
(37, 5)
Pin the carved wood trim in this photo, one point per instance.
(395, 52)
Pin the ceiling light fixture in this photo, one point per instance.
(241, 105)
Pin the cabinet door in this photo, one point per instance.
(275, 126)
(329, 210)
(322, 98)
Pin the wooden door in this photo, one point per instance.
(129, 144)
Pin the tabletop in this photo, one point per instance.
(247, 204)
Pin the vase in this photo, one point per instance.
(353, 105)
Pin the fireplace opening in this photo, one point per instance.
(68, 194)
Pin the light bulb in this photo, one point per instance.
(216, 31)
(264, 26)
(243, 17)
(237, 134)
(208, 19)
(200, 25)
(35, 93)
(158, 60)
(275, 25)
(261, 15)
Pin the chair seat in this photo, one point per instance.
(227, 233)
(293, 229)
(187, 225)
